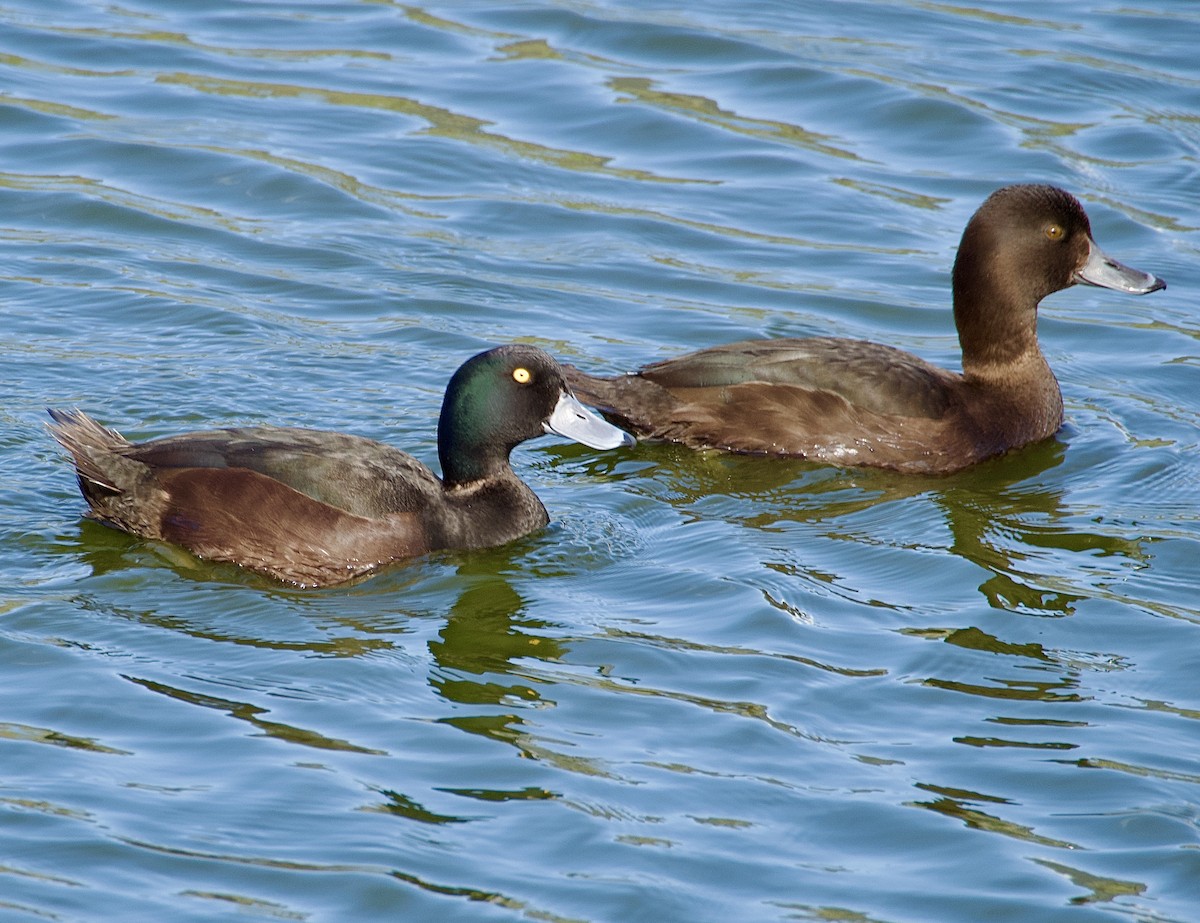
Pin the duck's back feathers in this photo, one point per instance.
(267, 498)
(787, 397)
(359, 476)
(872, 376)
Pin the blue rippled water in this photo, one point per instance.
(715, 688)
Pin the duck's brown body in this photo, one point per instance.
(802, 397)
(315, 508)
(850, 402)
(304, 506)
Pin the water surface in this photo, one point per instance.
(715, 688)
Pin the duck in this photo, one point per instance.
(856, 403)
(316, 508)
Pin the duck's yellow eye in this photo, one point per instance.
(521, 375)
(1054, 231)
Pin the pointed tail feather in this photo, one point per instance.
(89, 444)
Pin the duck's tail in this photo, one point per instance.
(98, 452)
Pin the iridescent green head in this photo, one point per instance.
(500, 398)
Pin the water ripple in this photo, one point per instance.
(909, 693)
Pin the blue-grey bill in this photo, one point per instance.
(1102, 270)
(571, 419)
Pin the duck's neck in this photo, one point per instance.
(464, 463)
(1015, 402)
(467, 451)
(1021, 391)
(1002, 360)
(995, 364)
(494, 511)
(485, 503)
(997, 324)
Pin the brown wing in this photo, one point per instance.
(871, 376)
(818, 425)
(244, 517)
(359, 476)
(844, 402)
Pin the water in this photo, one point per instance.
(715, 688)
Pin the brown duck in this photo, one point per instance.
(316, 508)
(851, 402)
